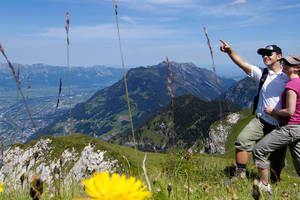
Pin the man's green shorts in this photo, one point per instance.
(252, 133)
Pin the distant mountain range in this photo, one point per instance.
(242, 93)
(42, 94)
(188, 126)
(105, 114)
(41, 75)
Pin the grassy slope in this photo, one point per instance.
(204, 174)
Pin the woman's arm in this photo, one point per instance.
(291, 98)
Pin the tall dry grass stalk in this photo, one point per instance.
(28, 86)
(17, 106)
(170, 83)
(145, 173)
(18, 75)
(171, 113)
(129, 167)
(58, 96)
(124, 72)
(171, 118)
(28, 83)
(188, 157)
(68, 64)
(2, 150)
(19, 88)
(27, 97)
(214, 68)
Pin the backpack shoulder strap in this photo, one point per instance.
(261, 82)
(262, 79)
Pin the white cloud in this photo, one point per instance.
(159, 2)
(173, 7)
(74, 1)
(198, 8)
(108, 32)
(128, 19)
(167, 19)
(236, 2)
(288, 6)
(159, 6)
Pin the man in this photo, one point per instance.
(269, 95)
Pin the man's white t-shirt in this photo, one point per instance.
(270, 93)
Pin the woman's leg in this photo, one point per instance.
(295, 147)
(277, 139)
(295, 151)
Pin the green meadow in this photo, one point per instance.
(174, 175)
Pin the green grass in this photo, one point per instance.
(205, 174)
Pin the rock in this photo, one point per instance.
(35, 160)
(218, 135)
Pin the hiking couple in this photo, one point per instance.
(277, 121)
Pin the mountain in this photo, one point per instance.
(42, 95)
(105, 114)
(242, 93)
(189, 126)
(41, 75)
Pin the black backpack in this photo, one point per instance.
(261, 82)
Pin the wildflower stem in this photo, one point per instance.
(124, 72)
(145, 172)
(68, 64)
(129, 168)
(188, 176)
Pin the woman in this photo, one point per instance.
(288, 133)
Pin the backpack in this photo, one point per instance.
(261, 82)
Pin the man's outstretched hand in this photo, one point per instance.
(225, 47)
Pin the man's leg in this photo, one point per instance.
(241, 160)
(241, 157)
(245, 142)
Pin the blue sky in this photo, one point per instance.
(32, 31)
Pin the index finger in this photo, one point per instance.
(223, 42)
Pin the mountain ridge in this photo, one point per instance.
(105, 114)
(184, 127)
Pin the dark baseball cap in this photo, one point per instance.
(292, 60)
(269, 49)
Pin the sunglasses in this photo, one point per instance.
(268, 53)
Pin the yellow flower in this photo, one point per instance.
(103, 187)
(1, 186)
